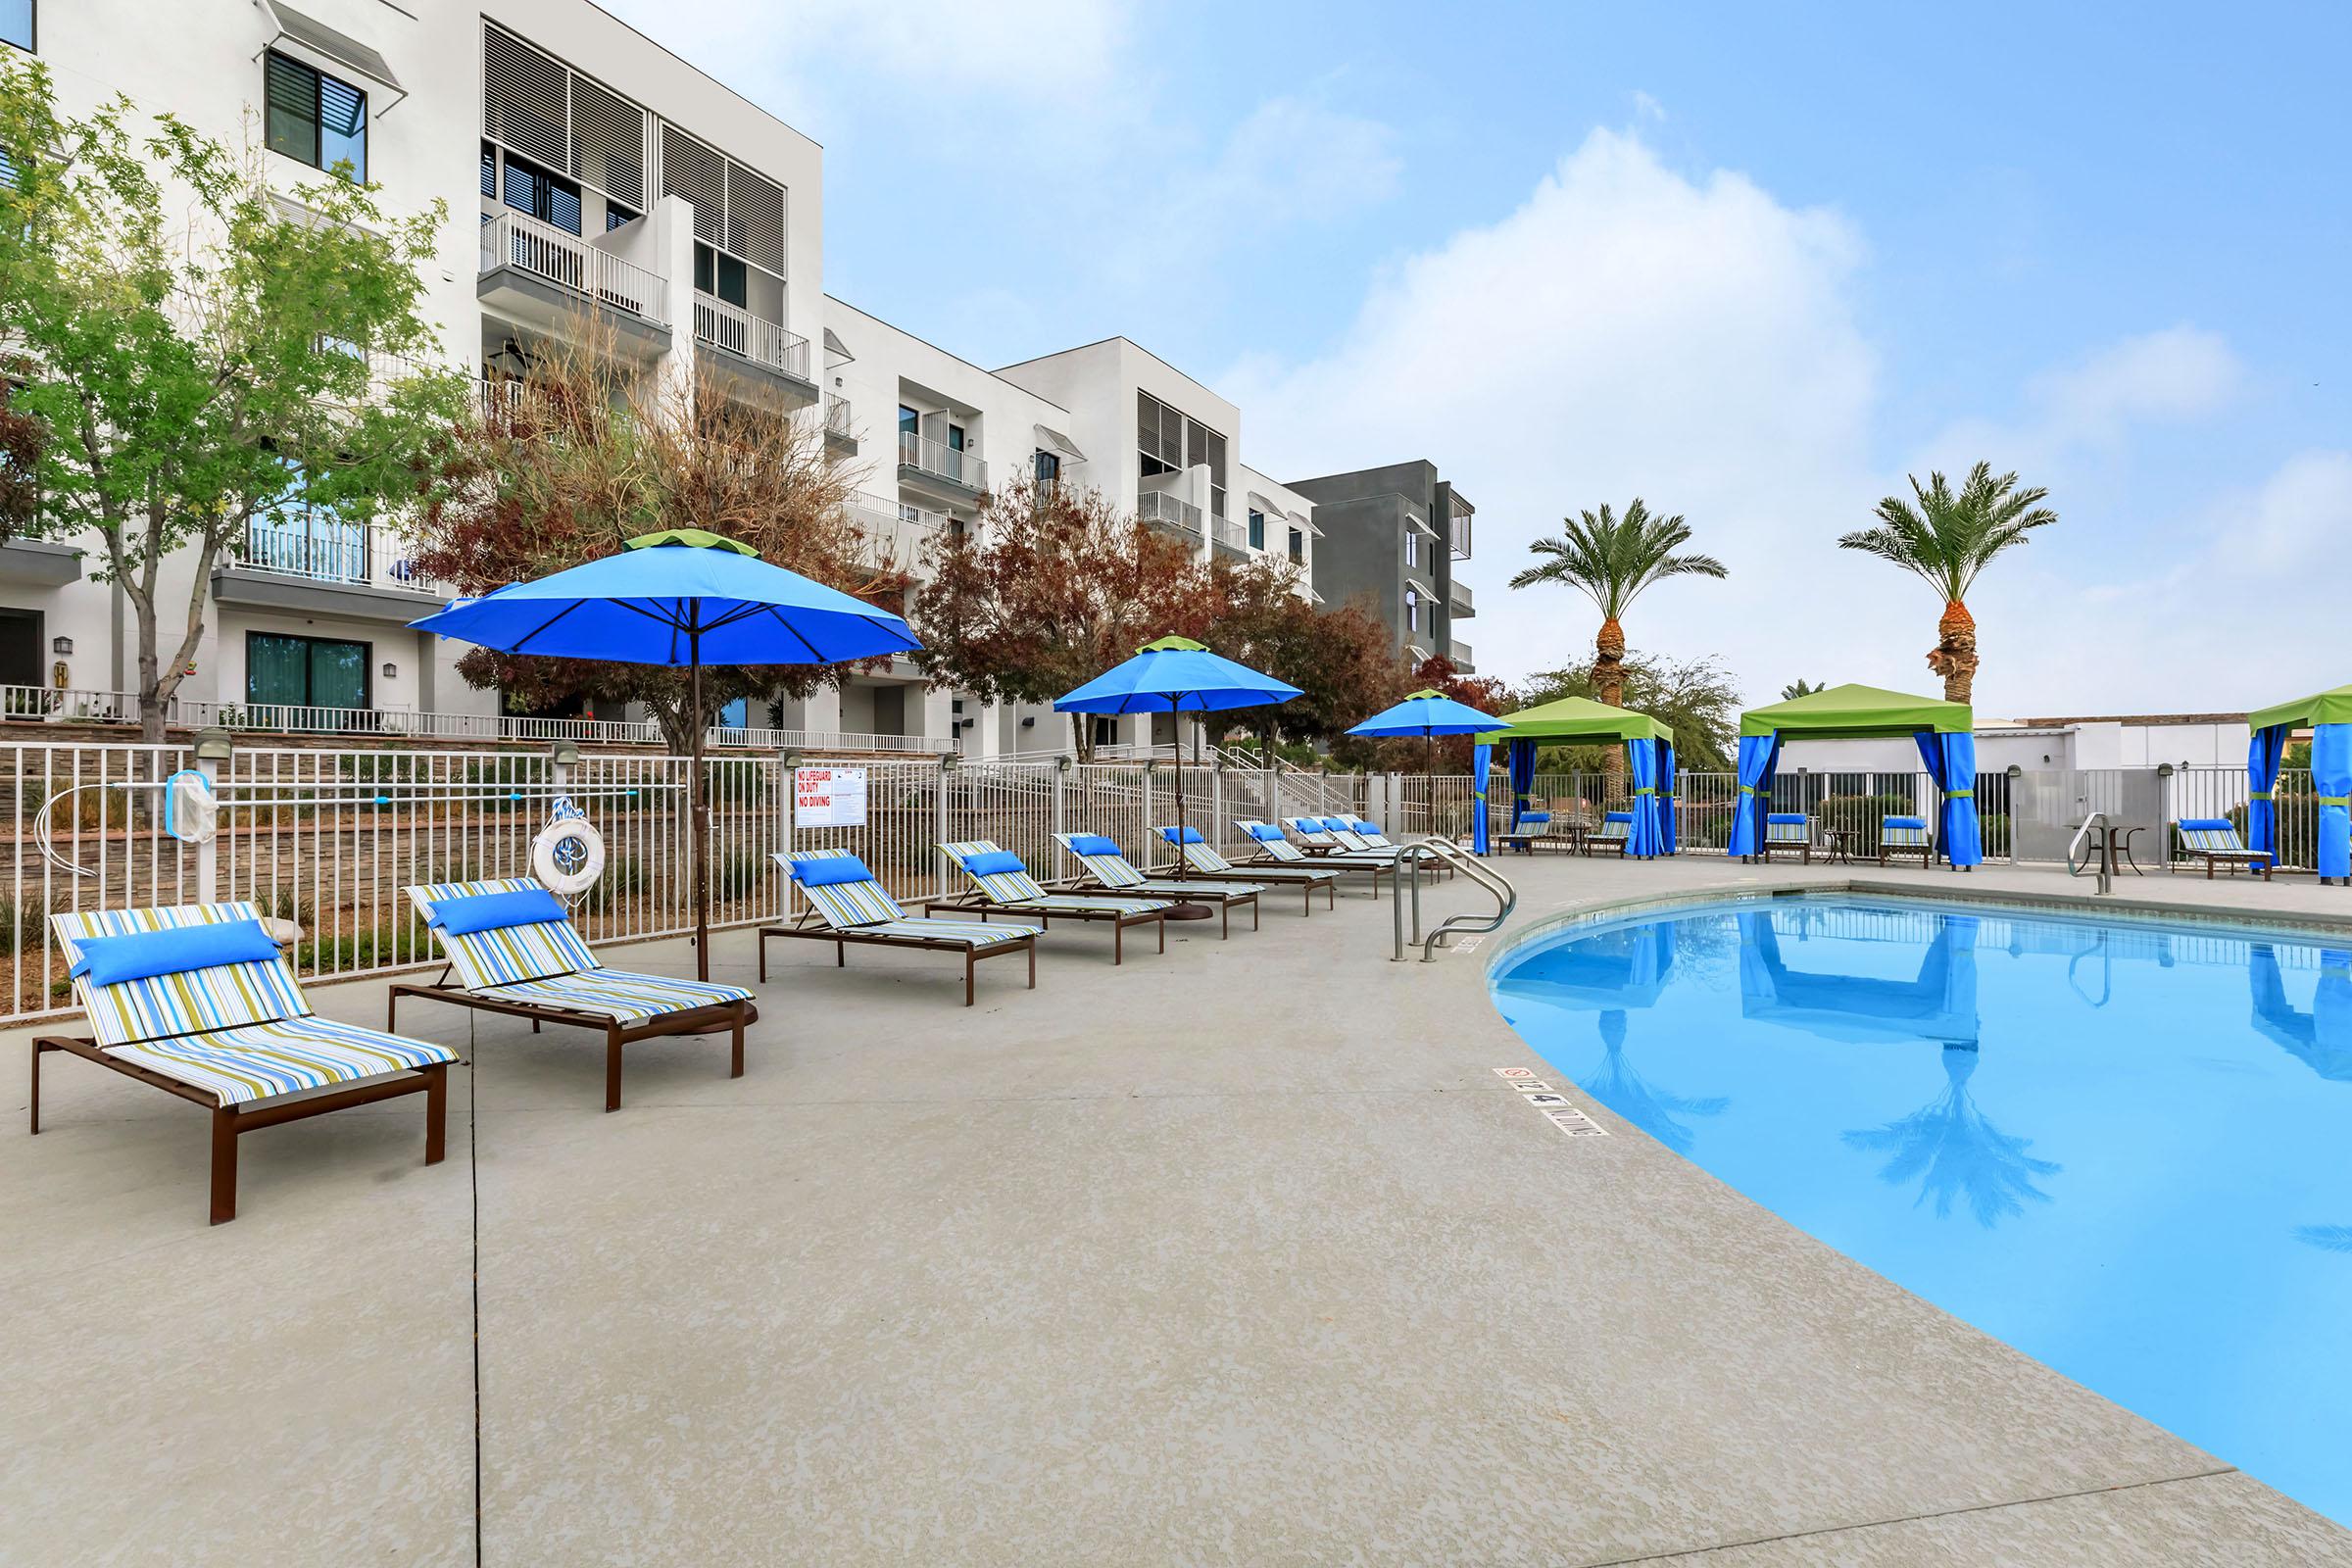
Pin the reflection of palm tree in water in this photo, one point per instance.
(2326, 1238)
(1955, 1152)
(1627, 1093)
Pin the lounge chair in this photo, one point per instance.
(1001, 882)
(1905, 835)
(848, 904)
(1202, 861)
(1356, 834)
(2215, 841)
(1616, 832)
(1275, 848)
(510, 944)
(197, 1001)
(1109, 869)
(1538, 830)
(1786, 833)
(1329, 838)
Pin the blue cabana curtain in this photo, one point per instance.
(1642, 842)
(1523, 779)
(1951, 762)
(1757, 754)
(1669, 842)
(1481, 759)
(2331, 782)
(2265, 750)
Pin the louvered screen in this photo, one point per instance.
(523, 101)
(608, 142)
(756, 218)
(693, 170)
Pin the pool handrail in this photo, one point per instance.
(1447, 852)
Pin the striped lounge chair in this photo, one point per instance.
(1905, 835)
(1355, 832)
(1786, 833)
(1201, 860)
(1000, 881)
(1329, 838)
(1107, 867)
(2215, 841)
(848, 904)
(1538, 830)
(198, 1002)
(1616, 832)
(1274, 848)
(512, 949)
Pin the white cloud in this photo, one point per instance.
(1647, 108)
(2176, 376)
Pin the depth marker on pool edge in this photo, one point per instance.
(1555, 1106)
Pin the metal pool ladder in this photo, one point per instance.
(1410, 858)
(2106, 849)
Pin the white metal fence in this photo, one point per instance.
(344, 829)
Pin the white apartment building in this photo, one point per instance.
(607, 175)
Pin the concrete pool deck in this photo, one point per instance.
(1239, 1254)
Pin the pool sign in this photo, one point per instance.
(1555, 1106)
(828, 796)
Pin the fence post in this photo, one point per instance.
(213, 751)
(939, 862)
(1146, 824)
(1062, 772)
(789, 805)
(1217, 804)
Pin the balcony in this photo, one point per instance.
(318, 566)
(897, 539)
(840, 437)
(1459, 602)
(1158, 510)
(538, 277)
(1459, 516)
(1230, 539)
(943, 470)
(759, 355)
(1459, 654)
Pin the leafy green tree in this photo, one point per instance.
(201, 349)
(1695, 698)
(1947, 538)
(1342, 660)
(1612, 560)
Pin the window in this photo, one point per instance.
(1412, 544)
(550, 198)
(955, 438)
(721, 276)
(305, 672)
(1413, 610)
(16, 24)
(313, 118)
(489, 170)
(1299, 546)
(910, 421)
(616, 214)
(1166, 442)
(1257, 529)
(1048, 469)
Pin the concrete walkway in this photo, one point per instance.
(1239, 1254)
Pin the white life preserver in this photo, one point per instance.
(569, 855)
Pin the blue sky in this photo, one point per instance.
(1754, 264)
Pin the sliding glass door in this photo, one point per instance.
(287, 671)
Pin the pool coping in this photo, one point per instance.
(2138, 910)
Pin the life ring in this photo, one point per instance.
(570, 856)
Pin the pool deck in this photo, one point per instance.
(1239, 1254)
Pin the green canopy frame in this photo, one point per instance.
(1945, 731)
(1650, 749)
(2329, 716)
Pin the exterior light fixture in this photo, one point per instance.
(62, 647)
(562, 753)
(212, 744)
(391, 670)
(949, 761)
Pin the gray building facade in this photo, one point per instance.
(1391, 538)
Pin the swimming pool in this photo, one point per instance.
(2123, 1148)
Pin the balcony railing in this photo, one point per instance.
(837, 415)
(1460, 653)
(957, 467)
(1458, 526)
(1230, 536)
(509, 239)
(1160, 510)
(736, 331)
(1460, 599)
(325, 550)
(896, 537)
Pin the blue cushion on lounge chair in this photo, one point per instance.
(1618, 816)
(990, 861)
(1363, 826)
(1094, 843)
(2206, 824)
(1338, 825)
(1534, 816)
(1263, 832)
(144, 955)
(827, 870)
(1186, 835)
(1903, 821)
(494, 911)
(1784, 816)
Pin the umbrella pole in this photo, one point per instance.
(1183, 908)
(701, 816)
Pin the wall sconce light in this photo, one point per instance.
(562, 753)
(2015, 771)
(62, 647)
(947, 761)
(1029, 721)
(792, 760)
(1064, 762)
(212, 744)
(391, 670)
(2164, 770)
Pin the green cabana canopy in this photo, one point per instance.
(1944, 732)
(2329, 718)
(1575, 719)
(2304, 712)
(1848, 712)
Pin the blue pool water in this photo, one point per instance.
(2124, 1148)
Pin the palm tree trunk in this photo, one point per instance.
(1608, 686)
(1955, 654)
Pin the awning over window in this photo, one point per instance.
(836, 351)
(289, 25)
(1052, 440)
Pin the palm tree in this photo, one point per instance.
(1612, 560)
(1800, 687)
(1947, 538)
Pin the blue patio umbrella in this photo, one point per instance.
(680, 597)
(1428, 714)
(1176, 675)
